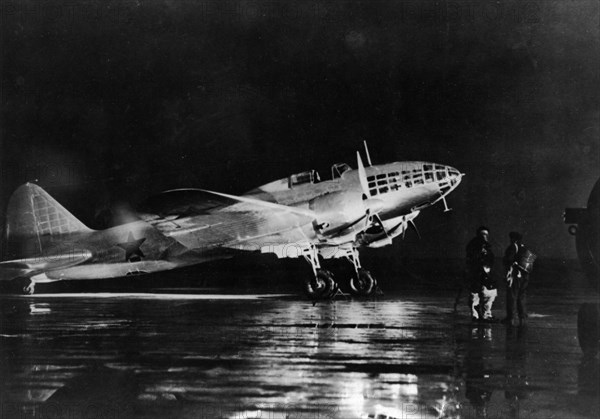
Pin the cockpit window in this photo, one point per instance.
(385, 182)
(338, 169)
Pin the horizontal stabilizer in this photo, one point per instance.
(48, 262)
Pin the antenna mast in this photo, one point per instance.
(367, 152)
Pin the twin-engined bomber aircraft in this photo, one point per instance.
(297, 216)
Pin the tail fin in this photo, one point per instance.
(34, 220)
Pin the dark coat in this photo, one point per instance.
(510, 254)
(480, 255)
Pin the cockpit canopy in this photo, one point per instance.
(338, 169)
(312, 176)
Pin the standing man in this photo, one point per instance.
(480, 259)
(518, 261)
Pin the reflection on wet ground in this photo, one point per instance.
(408, 356)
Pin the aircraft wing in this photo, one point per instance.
(234, 221)
(179, 203)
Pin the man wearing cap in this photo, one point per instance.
(517, 279)
(480, 259)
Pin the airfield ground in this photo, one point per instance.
(206, 355)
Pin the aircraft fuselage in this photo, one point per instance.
(402, 187)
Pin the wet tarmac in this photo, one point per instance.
(260, 356)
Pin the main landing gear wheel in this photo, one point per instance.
(588, 321)
(363, 283)
(322, 286)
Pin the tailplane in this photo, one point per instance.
(35, 221)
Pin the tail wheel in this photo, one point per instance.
(29, 289)
(22, 285)
(321, 286)
(588, 320)
(363, 284)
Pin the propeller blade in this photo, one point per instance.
(362, 176)
(377, 220)
(413, 225)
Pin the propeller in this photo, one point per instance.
(414, 226)
(377, 220)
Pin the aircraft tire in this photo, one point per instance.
(363, 284)
(588, 320)
(322, 286)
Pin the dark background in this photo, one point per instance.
(107, 102)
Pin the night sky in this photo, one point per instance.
(108, 102)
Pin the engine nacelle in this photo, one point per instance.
(375, 236)
(336, 210)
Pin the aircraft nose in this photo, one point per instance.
(454, 175)
(448, 179)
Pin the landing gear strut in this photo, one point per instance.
(363, 283)
(322, 285)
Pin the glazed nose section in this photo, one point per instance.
(454, 175)
(448, 179)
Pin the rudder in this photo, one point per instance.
(34, 219)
